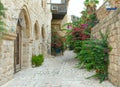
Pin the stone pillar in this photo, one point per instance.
(49, 49)
(44, 49)
(26, 54)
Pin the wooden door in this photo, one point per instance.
(17, 52)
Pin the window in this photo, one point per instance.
(54, 7)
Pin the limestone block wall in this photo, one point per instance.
(112, 23)
(58, 24)
(6, 58)
(103, 13)
(29, 13)
(36, 12)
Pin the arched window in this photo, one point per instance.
(43, 33)
(36, 31)
(43, 4)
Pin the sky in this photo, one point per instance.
(76, 6)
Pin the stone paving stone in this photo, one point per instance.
(56, 72)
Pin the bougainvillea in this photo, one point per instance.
(93, 54)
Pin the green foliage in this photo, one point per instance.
(92, 53)
(2, 15)
(77, 46)
(94, 56)
(37, 60)
(88, 18)
(91, 2)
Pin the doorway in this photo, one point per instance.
(17, 49)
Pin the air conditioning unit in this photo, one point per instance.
(55, 8)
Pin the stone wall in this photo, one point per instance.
(57, 24)
(111, 21)
(103, 13)
(6, 58)
(25, 14)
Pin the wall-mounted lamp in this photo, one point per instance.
(107, 5)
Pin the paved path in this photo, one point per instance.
(56, 72)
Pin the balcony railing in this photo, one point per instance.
(58, 10)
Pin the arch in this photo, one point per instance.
(25, 21)
(36, 30)
(24, 24)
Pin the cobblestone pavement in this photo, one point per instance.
(56, 72)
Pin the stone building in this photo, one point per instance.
(28, 24)
(110, 19)
(59, 18)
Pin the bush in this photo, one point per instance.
(94, 56)
(37, 60)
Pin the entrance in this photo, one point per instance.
(17, 50)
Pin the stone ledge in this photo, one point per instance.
(9, 36)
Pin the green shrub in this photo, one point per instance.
(94, 56)
(37, 60)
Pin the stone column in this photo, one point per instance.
(26, 54)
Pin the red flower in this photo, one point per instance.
(84, 25)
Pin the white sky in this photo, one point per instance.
(76, 6)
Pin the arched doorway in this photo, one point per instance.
(17, 49)
(22, 53)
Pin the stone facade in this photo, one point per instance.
(111, 20)
(57, 25)
(28, 24)
(56, 29)
(60, 17)
(103, 13)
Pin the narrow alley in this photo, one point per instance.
(56, 72)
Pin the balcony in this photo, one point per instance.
(58, 10)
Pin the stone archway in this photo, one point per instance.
(24, 41)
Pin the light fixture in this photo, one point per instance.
(107, 5)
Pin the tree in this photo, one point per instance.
(91, 4)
